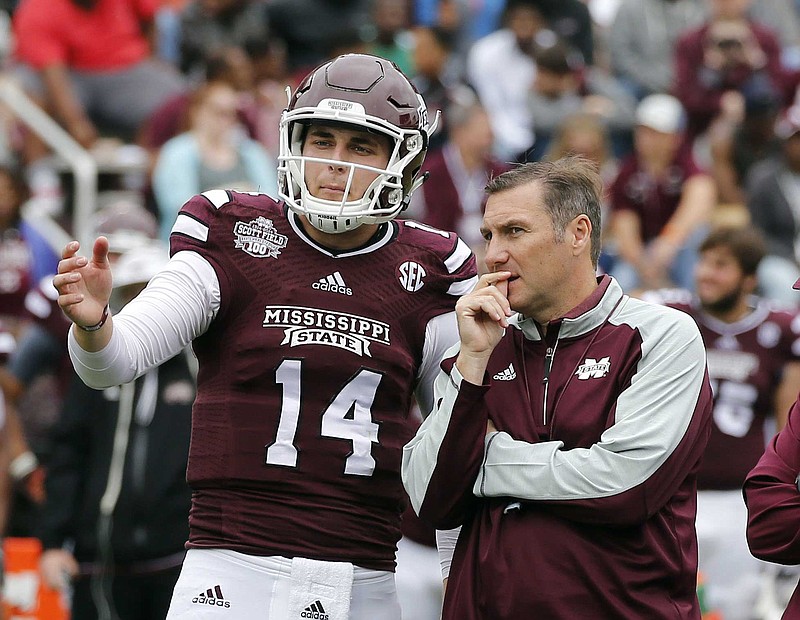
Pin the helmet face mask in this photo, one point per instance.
(362, 93)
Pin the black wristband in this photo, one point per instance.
(98, 325)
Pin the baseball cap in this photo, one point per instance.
(139, 264)
(661, 112)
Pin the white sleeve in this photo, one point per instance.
(446, 544)
(178, 305)
(441, 333)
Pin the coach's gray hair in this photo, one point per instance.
(571, 187)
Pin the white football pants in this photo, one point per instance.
(227, 585)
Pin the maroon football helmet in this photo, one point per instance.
(372, 94)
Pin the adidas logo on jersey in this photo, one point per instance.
(314, 611)
(212, 597)
(333, 283)
(507, 375)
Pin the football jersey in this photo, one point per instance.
(41, 302)
(306, 378)
(15, 275)
(745, 362)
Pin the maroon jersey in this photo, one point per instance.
(306, 379)
(15, 275)
(41, 302)
(653, 200)
(773, 503)
(745, 361)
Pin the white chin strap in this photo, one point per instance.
(333, 224)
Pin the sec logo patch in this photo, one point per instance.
(411, 276)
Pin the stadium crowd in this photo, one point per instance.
(689, 109)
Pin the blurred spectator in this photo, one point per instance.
(90, 63)
(270, 78)
(25, 254)
(116, 514)
(351, 40)
(391, 38)
(661, 202)
(753, 353)
(466, 20)
(571, 21)
(642, 38)
(168, 30)
(501, 68)
(435, 76)
(207, 26)
(717, 60)
(739, 141)
(312, 28)
(453, 197)
(214, 153)
(783, 18)
(585, 135)
(565, 86)
(227, 64)
(773, 191)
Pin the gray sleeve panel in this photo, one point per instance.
(652, 417)
(421, 453)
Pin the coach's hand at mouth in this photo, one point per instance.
(482, 319)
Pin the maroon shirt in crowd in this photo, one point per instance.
(700, 89)
(653, 200)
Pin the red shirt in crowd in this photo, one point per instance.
(59, 32)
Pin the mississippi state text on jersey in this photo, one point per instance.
(306, 378)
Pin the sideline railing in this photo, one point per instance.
(79, 160)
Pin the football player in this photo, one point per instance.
(315, 320)
(753, 353)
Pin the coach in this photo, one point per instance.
(568, 426)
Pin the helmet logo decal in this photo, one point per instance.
(411, 276)
(340, 105)
(259, 238)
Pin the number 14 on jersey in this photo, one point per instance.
(357, 395)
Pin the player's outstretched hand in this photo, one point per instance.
(84, 284)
